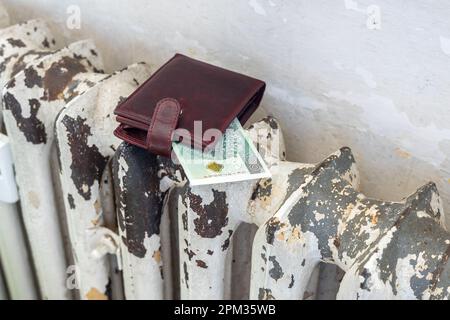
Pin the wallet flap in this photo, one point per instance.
(163, 123)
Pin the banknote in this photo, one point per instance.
(233, 158)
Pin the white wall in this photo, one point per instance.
(337, 75)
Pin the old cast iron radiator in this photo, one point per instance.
(101, 219)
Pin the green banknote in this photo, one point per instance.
(233, 158)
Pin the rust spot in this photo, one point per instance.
(189, 253)
(72, 90)
(32, 78)
(291, 284)
(20, 64)
(271, 122)
(294, 236)
(280, 236)
(45, 43)
(95, 294)
(31, 127)
(6, 61)
(276, 272)
(11, 83)
(337, 242)
(16, 43)
(157, 256)
(186, 274)
(365, 284)
(71, 201)
(211, 217)
(374, 218)
(59, 76)
(201, 264)
(226, 243)
(95, 222)
(184, 220)
(87, 161)
(263, 189)
(265, 294)
(138, 199)
(272, 226)
(440, 268)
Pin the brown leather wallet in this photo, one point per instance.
(181, 92)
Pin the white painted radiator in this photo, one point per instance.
(102, 219)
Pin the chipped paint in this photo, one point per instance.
(334, 31)
(87, 162)
(212, 217)
(84, 146)
(374, 241)
(139, 205)
(29, 116)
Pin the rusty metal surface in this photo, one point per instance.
(32, 99)
(139, 204)
(137, 219)
(327, 219)
(17, 266)
(208, 215)
(21, 44)
(318, 215)
(85, 143)
(211, 214)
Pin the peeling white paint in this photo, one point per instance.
(304, 49)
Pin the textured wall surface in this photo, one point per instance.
(369, 74)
